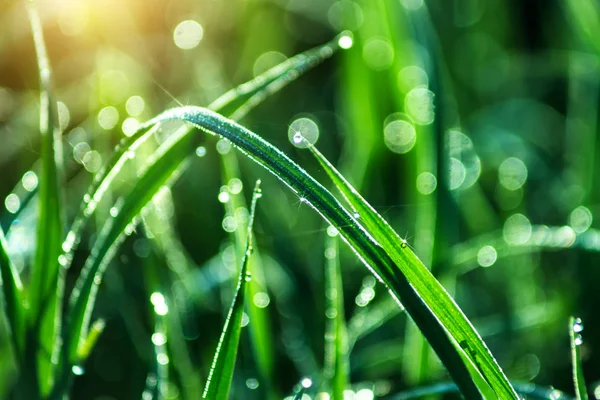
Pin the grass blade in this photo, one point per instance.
(369, 251)
(221, 371)
(43, 299)
(258, 89)
(12, 292)
(336, 365)
(430, 290)
(575, 328)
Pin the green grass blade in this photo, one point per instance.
(161, 167)
(43, 294)
(221, 371)
(575, 328)
(430, 290)
(368, 250)
(12, 293)
(337, 365)
(257, 89)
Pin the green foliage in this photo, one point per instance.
(472, 133)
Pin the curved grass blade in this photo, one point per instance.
(526, 389)
(336, 367)
(430, 290)
(368, 250)
(258, 89)
(221, 371)
(12, 293)
(44, 313)
(161, 167)
(575, 328)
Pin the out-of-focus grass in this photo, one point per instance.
(497, 194)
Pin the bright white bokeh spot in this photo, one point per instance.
(460, 147)
(412, 4)
(188, 34)
(223, 146)
(303, 132)
(267, 61)
(201, 151)
(261, 299)
(135, 106)
(517, 229)
(159, 339)
(306, 383)
(159, 303)
(80, 150)
(345, 14)
(63, 116)
(332, 231)
(229, 224)
(512, 173)
(458, 173)
(252, 383)
(349, 395)
(12, 203)
(412, 77)
(365, 394)
(378, 54)
(245, 318)
(29, 181)
(581, 219)
(399, 136)
(92, 161)
(426, 183)
(235, 186)
(130, 126)
(418, 104)
(487, 256)
(345, 42)
(108, 117)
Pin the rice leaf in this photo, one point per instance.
(12, 293)
(336, 366)
(368, 250)
(575, 328)
(221, 371)
(44, 312)
(430, 290)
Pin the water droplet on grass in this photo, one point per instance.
(77, 370)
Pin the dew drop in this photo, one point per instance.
(201, 151)
(356, 215)
(114, 211)
(87, 198)
(77, 370)
(578, 325)
(578, 340)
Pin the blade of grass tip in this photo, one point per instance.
(45, 277)
(12, 292)
(336, 368)
(431, 291)
(223, 365)
(258, 88)
(575, 329)
(381, 265)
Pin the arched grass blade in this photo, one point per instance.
(258, 89)
(575, 329)
(430, 290)
(368, 250)
(336, 368)
(43, 294)
(221, 371)
(12, 297)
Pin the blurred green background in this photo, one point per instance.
(470, 125)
